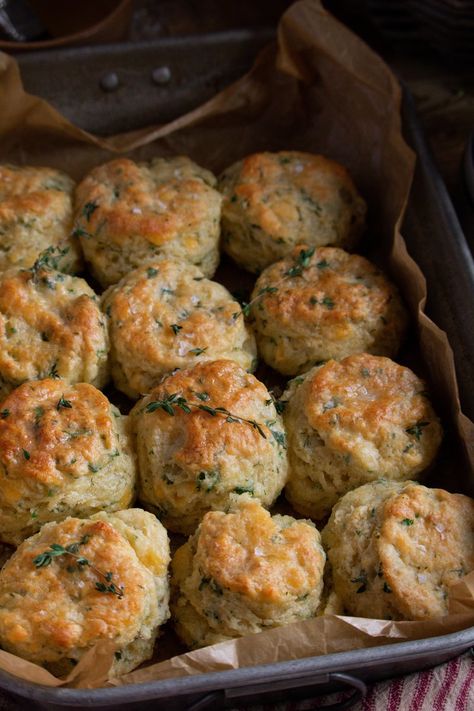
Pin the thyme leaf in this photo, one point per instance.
(62, 403)
(417, 429)
(302, 262)
(89, 209)
(56, 550)
(170, 402)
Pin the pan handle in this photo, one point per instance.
(359, 690)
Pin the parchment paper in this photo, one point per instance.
(321, 90)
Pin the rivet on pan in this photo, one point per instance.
(161, 75)
(110, 82)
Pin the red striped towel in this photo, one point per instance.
(448, 687)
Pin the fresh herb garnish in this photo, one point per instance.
(53, 373)
(198, 351)
(407, 522)
(170, 402)
(89, 209)
(62, 403)
(175, 328)
(417, 429)
(244, 490)
(109, 586)
(207, 480)
(48, 259)
(302, 262)
(323, 264)
(279, 437)
(80, 232)
(328, 303)
(280, 406)
(56, 550)
(26, 454)
(4, 413)
(151, 272)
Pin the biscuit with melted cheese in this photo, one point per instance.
(353, 421)
(127, 214)
(324, 303)
(274, 201)
(396, 548)
(197, 459)
(244, 572)
(64, 450)
(53, 610)
(50, 324)
(36, 214)
(168, 315)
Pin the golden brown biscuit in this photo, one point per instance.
(63, 450)
(395, 549)
(127, 214)
(36, 214)
(50, 323)
(274, 201)
(324, 303)
(244, 572)
(353, 421)
(168, 315)
(197, 459)
(81, 581)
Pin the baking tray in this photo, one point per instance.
(434, 239)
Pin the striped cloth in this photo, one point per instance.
(448, 687)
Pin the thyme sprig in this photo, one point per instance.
(48, 259)
(302, 262)
(55, 550)
(173, 401)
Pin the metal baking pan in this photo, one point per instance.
(434, 239)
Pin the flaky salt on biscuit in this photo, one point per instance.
(353, 421)
(64, 450)
(78, 582)
(274, 201)
(203, 436)
(324, 303)
(396, 548)
(168, 315)
(245, 571)
(35, 214)
(127, 214)
(50, 324)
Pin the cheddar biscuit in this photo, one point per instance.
(50, 324)
(274, 201)
(395, 549)
(204, 435)
(78, 582)
(324, 303)
(64, 450)
(127, 214)
(353, 421)
(168, 315)
(245, 571)
(36, 214)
